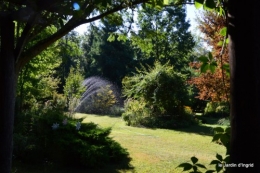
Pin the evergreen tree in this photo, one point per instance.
(112, 60)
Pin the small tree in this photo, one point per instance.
(73, 88)
(213, 86)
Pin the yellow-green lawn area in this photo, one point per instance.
(159, 150)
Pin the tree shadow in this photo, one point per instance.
(123, 166)
(198, 129)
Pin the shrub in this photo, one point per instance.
(56, 138)
(101, 97)
(224, 121)
(217, 109)
(156, 97)
(102, 101)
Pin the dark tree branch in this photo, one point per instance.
(73, 23)
(25, 36)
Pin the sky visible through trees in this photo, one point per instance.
(191, 14)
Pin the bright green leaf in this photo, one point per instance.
(166, 2)
(198, 5)
(220, 11)
(111, 37)
(122, 37)
(220, 43)
(223, 31)
(227, 41)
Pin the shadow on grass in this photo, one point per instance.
(206, 128)
(123, 166)
(198, 129)
(82, 115)
(208, 120)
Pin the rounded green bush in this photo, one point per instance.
(156, 97)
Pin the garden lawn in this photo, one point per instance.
(160, 150)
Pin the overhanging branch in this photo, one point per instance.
(73, 23)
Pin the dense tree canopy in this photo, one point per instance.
(163, 36)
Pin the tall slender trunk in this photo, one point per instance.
(244, 49)
(7, 94)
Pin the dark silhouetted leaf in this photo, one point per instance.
(194, 159)
(186, 166)
(201, 166)
(219, 157)
(218, 129)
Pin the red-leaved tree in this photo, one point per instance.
(213, 86)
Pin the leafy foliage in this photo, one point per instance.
(103, 102)
(214, 84)
(217, 109)
(50, 136)
(71, 54)
(155, 95)
(111, 60)
(73, 88)
(194, 166)
(163, 36)
(36, 82)
(221, 136)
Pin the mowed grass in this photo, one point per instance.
(160, 150)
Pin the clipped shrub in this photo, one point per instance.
(156, 98)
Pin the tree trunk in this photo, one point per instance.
(244, 49)
(7, 94)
